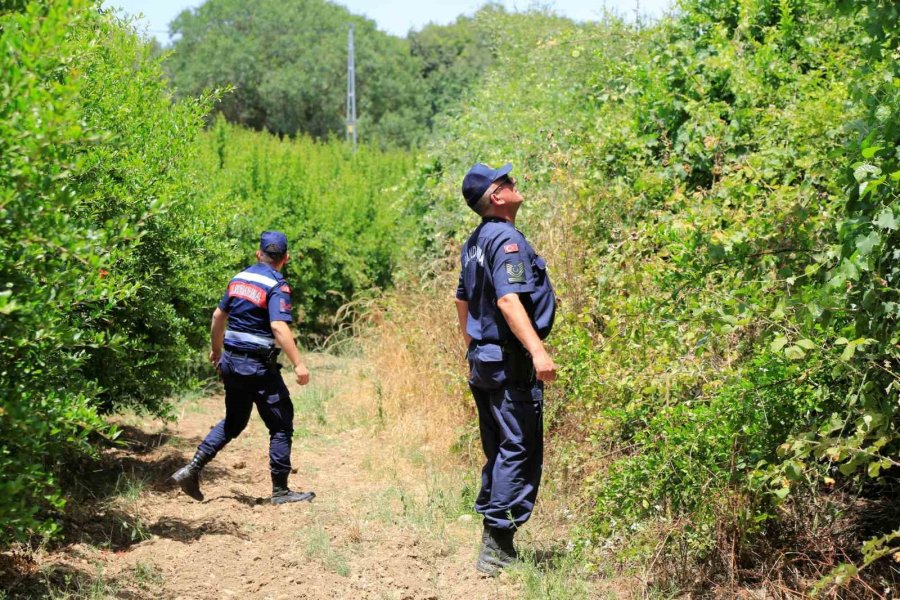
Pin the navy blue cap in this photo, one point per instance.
(273, 242)
(479, 179)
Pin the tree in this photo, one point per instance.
(287, 63)
(457, 56)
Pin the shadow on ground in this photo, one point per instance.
(100, 513)
(241, 497)
(548, 558)
(182, 530)
(61, 581)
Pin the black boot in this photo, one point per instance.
(188, 476)
(282, 494)
(497, 550)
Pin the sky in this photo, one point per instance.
(399, 16)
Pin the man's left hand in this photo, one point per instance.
(214, 358)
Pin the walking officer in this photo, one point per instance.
(257, 309)
(506, 306)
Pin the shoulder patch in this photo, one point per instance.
(285, 288)
(510, 248)
(515, 272)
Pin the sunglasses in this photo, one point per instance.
(506, 180)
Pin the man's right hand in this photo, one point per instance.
(544, 366)
(302, 374)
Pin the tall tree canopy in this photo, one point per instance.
(457, 56)
(287, 63)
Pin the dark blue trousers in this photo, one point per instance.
(511, 420)
(265, 388)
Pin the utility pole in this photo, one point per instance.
(351, 89)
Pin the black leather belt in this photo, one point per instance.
(260, 354)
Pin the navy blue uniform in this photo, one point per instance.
(497, 260)
(255, 297)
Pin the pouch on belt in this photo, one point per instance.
(519, 366)
(486, 368)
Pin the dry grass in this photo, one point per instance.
(411, 338)
(417, 358)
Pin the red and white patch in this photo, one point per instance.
(284, 306)
(285, 288)
(510, 248)
(247, 291)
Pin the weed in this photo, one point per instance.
(309, 406)
(319, 548)
(552, 574)
(379, 405)
(382, 505)
(129, 487)
(147, 575)
(416, 457)
(195, 407)
(76, 586)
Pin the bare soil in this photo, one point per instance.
(387, 522)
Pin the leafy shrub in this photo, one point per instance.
(95, 234)
(340, 209)
(733, 338)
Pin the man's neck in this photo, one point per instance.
(505, 214)
(277, 267)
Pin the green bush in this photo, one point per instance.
(120, 229)
(94, 310)
(340, 209)
(742, 325)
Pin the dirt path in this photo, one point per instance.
(385, 524)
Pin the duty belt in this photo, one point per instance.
(263, 353)
(251, 338)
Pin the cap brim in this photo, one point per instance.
(504, 170)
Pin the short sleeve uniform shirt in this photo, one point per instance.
(255, 297)
(497, 260)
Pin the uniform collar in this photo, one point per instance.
(269, 269)
(494, 220)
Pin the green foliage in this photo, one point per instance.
(845, 573)
(520, 111)
(746, 347)
(339, 209)
(287, 62)
(119, 231)
(455, 57)
(93, 229)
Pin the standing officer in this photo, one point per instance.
(257, 309)
(506, 306)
